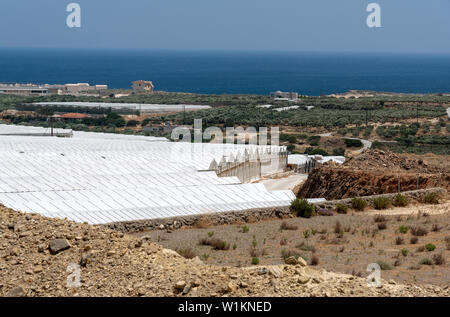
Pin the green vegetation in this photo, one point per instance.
(426, 261)
(430, 247)
(431, 198)
(381, 203)
(347, 115)
(400, 201)
(317, 151)
(341, 208)
(403, 229)
(301, 208)
(359, 204)
(255, 261)
(353, 143)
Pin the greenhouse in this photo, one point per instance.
(103, 178)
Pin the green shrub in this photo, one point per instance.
(403, 229)
(431, 198)
(359, 204)
(314, 140)
(430, 247)
(405, 252)
(381, 203)
(339, 151)
(317, 151)
(400, 200)
(255, 261)
(341, 208)
(353, 143)
(301, 208)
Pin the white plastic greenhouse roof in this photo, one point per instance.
(6, 129)
(154, 107)
(102, 178)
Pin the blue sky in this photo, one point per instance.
(286, 25)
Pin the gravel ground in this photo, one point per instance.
(55, 257)
(361, 243)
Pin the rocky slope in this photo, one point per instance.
(38, 256)
(373, 172)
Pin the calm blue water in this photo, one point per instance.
(231, 72)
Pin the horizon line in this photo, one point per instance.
(221, 50)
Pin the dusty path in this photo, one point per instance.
(414, 210)
(287, 183)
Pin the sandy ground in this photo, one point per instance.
(286, 183)
(361, 242)
(415, 209)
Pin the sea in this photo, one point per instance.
(231, 72)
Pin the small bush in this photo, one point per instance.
(217, 244)
(245, 229)
(314, 260)
(403, 229)
(306, 247)
(341, 208)
(381, 203)
(414, 240)
(404, 252)
(187, 253)
(419, 231)
(210, 233)
(338, 228)
(382, 226)
(438, 259)
(359, 204)
(431, 198)
(379, 218)
(325, 212)
(420, 249)
(353, 143)
(400, 201)
(301, 208)
(426, 261)
(288, 253)
(384, 266)
(399, 241)
(286, 226)
(203, 223)
(255, 261)
(435, 228)
(430, 247)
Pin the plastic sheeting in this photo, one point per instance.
(101, 179)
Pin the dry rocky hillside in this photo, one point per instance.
(38, 255)
(371, 173)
